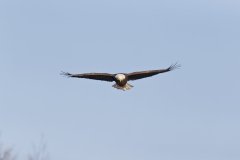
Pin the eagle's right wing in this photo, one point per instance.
(145, 74)
(95, 76)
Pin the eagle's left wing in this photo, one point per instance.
(95, 76)
(145, 74)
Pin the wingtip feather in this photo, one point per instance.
(174, 66)
(65, 74)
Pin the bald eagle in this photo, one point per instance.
(122, 79)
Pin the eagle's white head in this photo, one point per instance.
(120, 77)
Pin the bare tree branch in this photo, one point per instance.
(6, 153)
(39, 151)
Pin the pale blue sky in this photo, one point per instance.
(191, 113)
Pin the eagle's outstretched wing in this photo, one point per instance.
(96, 76)
(144, 74)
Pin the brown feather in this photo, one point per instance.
(149, 73)
(94, 76)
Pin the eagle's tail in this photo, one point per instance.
(124, 88)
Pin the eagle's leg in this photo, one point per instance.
(124, 88)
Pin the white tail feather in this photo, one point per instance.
(124, 88)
